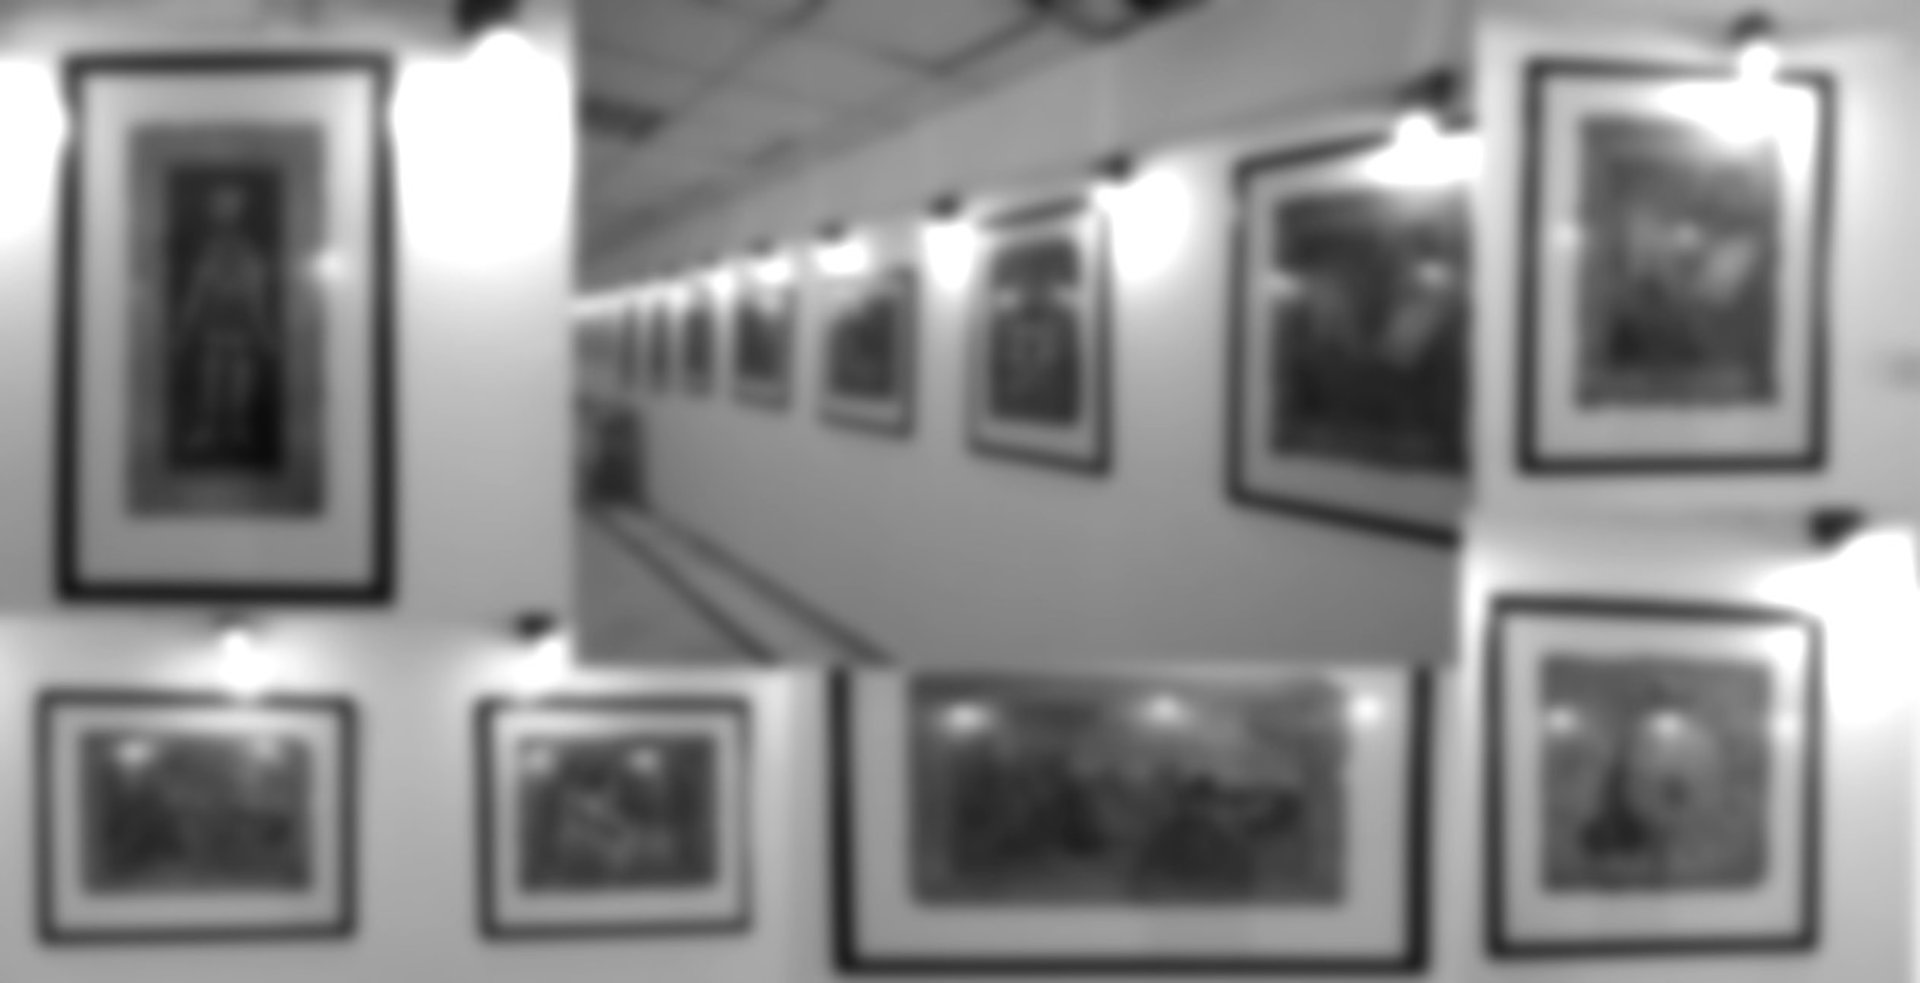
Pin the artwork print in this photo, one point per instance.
(763, 340)
(1657, 774)
(870, 353)
(697, 343)
(616, 813)
(1654, 781)
(1673, 274)
(1038, 371)
(197, 812)
(1348, 360)
(1679, 300)
(659, 339)
(1126, 794)
(1172, 821)
(227, 327)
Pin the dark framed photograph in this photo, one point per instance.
(698, 314)
(1674, 270)
(1348, 358)
(226, 352)
(872, 329)
(1131, 821)
(764, 321)
(175, 816)
(627, 350)
(660, 354)
(1039, 378)
(614, 816)
(1653, 779)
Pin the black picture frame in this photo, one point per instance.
(699, 340)
(1557, 435)
(1664, 932)
(1410, 901)
(104, 556)
(897, 286)
(1086, 447)
(53, 830)
(732, 914)
(1418, 505)
(766, 315)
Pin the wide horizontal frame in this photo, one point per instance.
(1532, 458)
(844, 853)
(1100, 463)
(379, 587)
(488, 711)
(1505, 607)
(48, 707)
(1245, 173)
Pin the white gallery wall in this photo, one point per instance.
(944, 556)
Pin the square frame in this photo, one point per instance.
(1393, 500)
(1641, 927)
(896, 285)
(1559, 436)
(1397, 887)
(1085, 447)
(341, 451)
(333, 916)
(726, 910)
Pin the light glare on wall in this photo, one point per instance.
(546, 659)
(244, 669)
(1152, 222)
(35, 124)
(843, 254)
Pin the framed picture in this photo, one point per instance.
(226, 352)
(872, 345)
(763, 330)
(660, 354)
(1039, 378)
(1653, 777)
(1140, 821)
(171, 816)
(1348, 356)
(697, 342)
(627, 353)
(1673, 290)
(611, 816)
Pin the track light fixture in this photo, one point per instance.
(946, 207)
(1831, 527)
(474, 18)
(1424, 105)
(1756, 55)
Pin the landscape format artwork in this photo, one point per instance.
(1349, 356)
(1674, 271)
(181, 815)
(1040, 372)
(613, 816)
(872, 341)
(226, 324)
(1055, 821)
(763, 338)
(1657, 776)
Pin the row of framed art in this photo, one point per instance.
(1652, 786)
(1671, 318)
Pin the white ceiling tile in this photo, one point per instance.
(632, 76)
(824, 72)
(927, 31)
(682, 34)
(735, 120)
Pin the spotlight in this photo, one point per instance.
(841, 253)
(241, 667)
(475, 18)
(1424, 104)
(1833, 526)
(546, 661)
(1113, 174)
(1756, 56)
(946, 208)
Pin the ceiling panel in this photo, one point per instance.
(929, 32)
(821, 71)
(682, 34)
(767, 9)
(619, 72)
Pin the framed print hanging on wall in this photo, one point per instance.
(1038, 374)
(168, 817)
(226, 353)
(765, 317)
(1351, 328)
(1674, 263)
(614, 816)
(872, 345)
(1653, 777)
(697, 339)
(1158, 821)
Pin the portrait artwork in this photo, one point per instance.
(1350, 353)
(1673, 273)
(697, 342)
(1655, 775)
(194, 816)
(226, 297)
(227, 324)
(1040, 372)
(613, 815)
(763, 329)
(659, 339)
(871, 341)
(1061, 821)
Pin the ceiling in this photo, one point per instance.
(686, 102)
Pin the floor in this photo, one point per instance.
(649, 592)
